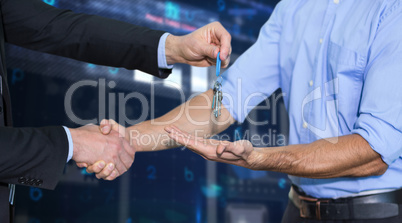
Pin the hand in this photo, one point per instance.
(99, 168)
(90, 146)
(240, 153)
(200, 48)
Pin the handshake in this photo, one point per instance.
(108, 150)
(103, 149)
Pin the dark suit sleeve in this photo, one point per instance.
(35, 25)
(33, 156)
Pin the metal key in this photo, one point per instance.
(219, 102)
(217, 99)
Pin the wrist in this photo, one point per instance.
(254, 159)
(74, 136)
(172, 50)
(133, 136)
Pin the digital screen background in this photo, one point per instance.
(166, 186)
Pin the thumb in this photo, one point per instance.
(105, 127)
(82, 165)
(221, 149)
(210, 51)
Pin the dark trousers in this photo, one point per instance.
(292, 215)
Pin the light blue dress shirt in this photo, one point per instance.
(161, 64)
(339, 65)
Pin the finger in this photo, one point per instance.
(120, 166)
(168, 129)
(204, 62)
(118, 128)
(232, 148)
(105, 127)
(200, 147)
(172, 128)
(229, 157)
(225, 63)
(220, 149)
(238, 148)
(112, 176)
(193, 142)
(106, 172)
(176, 129)
(225, 154)
(96, 167)
(225, 39)
(209, 50)
(181, 138)
(82, 165)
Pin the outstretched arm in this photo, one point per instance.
(194, 116)
(38, 26)
(345, 156)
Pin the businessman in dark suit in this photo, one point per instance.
(36, 156)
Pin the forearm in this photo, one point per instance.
(349, 156)
(42, 151)
(195, 117)
(36, 25)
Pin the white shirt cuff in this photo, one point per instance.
(70, 144)
(161, 53)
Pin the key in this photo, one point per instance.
(214, 98)
(217, 98)
(219, 102)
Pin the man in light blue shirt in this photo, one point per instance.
(339, 65)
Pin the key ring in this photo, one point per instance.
(218, 65)
(218, 69)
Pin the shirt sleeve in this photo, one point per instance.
(70, 144)
(162, 64)
(380, 111)
(255, 74)
(36, 25)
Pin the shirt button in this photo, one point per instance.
(336, 1)
(305, 125)
(321, 40)
(311, 83)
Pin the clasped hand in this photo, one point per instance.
(94, 150)
(240, 153)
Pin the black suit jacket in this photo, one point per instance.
(36, 156)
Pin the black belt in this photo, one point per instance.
(376, 206)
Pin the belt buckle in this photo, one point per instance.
(317, 206)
